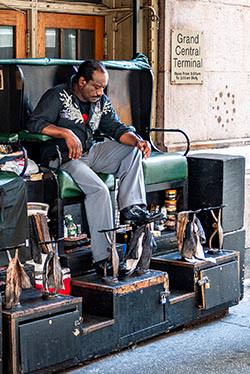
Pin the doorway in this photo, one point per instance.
(70, 36)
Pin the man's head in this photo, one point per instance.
(91, 80)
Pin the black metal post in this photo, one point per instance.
(136, 27)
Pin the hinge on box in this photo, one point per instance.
(164, 296)
(78, 328)
(204, 281)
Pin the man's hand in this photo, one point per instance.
(74, 145)
(145, 147)
(72, 141)
(130, 138)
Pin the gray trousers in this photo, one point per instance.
(108, 157)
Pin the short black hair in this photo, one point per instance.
(87, 68)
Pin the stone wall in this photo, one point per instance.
(216, 113)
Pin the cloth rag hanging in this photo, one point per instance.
(141, 247)
(16, 280)
(190, 236)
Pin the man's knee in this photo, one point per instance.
(103, 189)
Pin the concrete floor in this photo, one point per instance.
(247, 263)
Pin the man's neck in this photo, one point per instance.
(77, 92)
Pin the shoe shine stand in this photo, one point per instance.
(133, 308)
(173, 292)
(99, 318)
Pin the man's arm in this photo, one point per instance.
(111, 125)
(130, 138)
(73, 142)
(45, 115)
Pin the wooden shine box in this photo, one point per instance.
(40, 333)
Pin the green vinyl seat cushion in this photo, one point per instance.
(164, 167)
(158, 168)
(8, 138)
(68, 188)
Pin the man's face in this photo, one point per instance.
(93, 90)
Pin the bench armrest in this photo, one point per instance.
(8, 138)
(29, 137)
(156, 129)
(25, 135)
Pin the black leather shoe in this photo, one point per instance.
(139, 271)
(124, 272)
(135, 214)
(104, 268)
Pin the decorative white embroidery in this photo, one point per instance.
(107, 108)
(96, 116)
(70, 110)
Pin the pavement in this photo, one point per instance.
(220, 346)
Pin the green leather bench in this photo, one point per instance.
(161, 171)
(158, 172)
(69, 189)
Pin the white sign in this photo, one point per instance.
(186, 57)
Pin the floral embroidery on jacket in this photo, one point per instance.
(70, 109)
(107, 108)
(96, 115)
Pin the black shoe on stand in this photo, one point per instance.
(124, 272)
(104, 268)
(136, 214)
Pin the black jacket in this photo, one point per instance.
(59, 106)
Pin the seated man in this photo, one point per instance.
(71, 113)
